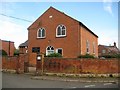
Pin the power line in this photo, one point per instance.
(15, 17)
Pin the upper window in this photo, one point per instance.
(41, 33)
(60, 31)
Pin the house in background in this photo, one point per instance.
(56, 32)
(107, 50)
(23, 47)
(8, 47)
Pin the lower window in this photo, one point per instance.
(60, 51)
(49, 50)
(36, 49)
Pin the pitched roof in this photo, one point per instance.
(24, 44)
(113, 49)
(80, 23)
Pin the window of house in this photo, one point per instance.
(60, 31)
(36, 49)
(103, 51)
(60, 51)
(41, 33)
(87, 46)
(94, 47)
(49, 50)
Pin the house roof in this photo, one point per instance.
(24, 44)
(111, 48)
(7, 41)
(80, 23)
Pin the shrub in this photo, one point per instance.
(16, 52)
(3, 53)
(54, 55)
(112, 56)
(86, 56)
(117, 55)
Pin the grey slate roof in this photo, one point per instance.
(24, 44)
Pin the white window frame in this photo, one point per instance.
(40, 29)
(57, 50)
(49, 50)
(61, 31)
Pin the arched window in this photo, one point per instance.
(41, 33)
(93, 47)
(60, 31)
(87, 47)
(49, 50)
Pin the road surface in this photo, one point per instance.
(25, 81)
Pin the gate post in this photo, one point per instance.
(40, 61)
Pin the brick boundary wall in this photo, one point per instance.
(65, 65)
(16, 63)
(9, 63)
(80, 66)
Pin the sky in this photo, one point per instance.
(100, 17)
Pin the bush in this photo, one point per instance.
(16, 52)
(54, 55)
(117, 55)
(3, 53)
(86, 56)
(112, 56)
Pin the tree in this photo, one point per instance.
(16, 52)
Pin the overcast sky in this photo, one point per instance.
(100, 17)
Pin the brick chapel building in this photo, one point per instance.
(56, 32)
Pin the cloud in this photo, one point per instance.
(107, 5)
(12, 31)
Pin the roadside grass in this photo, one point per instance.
(63, 75)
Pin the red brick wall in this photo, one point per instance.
(80, 65)
(32, 59)
(86, 35)
(9, 63)
(15, 63)
(6, 46)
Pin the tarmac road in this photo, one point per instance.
(25, 81)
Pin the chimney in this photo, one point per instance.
(114, 44)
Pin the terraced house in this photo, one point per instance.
(54, 31)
